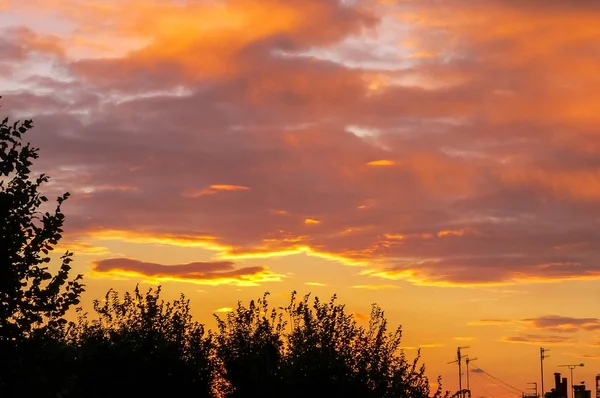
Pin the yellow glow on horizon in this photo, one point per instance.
(204, 241)
(423, 279)
(301, 249)
(224, 252)
(241, 280)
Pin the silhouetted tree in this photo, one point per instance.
(141, 346)
(30, 296)
(33, 300)
(329, 352)
(249, 347)
(322, 345)
(325, 352)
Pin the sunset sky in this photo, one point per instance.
(439, 158)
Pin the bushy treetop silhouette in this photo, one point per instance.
(314, 346)
(31, 297)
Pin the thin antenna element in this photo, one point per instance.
(535, 387)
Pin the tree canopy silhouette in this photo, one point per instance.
(143, 346)
(30, 296)
(320, 349)
(33, 300)
(250, 350)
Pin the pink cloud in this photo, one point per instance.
(473, 161)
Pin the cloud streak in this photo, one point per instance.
(202, 273)
(564, 324)
(548, 323)
(537, 339)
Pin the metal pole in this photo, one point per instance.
(468, 384)
(572, 389)
(571, 367)
(459, 372)
(542, 357)
(542, 368)
(459, 361)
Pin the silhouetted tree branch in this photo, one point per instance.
(33, 300)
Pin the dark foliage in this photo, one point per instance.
(250, 349)
(30, 296)
(33, 300)
(320, 349)
(143, 347)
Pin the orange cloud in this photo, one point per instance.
(458, 232)
(550, 323)
(202, 273)
(224, 251)
(491, 136)
(557, 323)
(475, 272)
(394, 236)
(209, 242)
(167, 33)
(382, 162)
(535, 339)
(213, 189)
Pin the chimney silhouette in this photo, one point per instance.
(560, 389)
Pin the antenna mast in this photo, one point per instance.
(459, 362)
(467, 361)
(543, 356)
